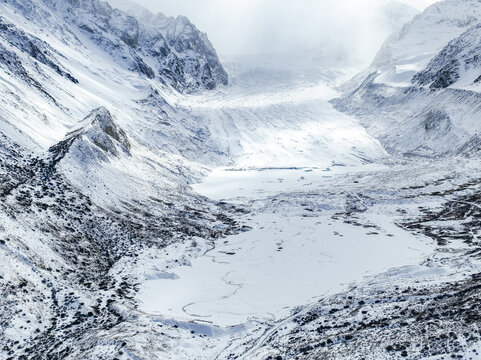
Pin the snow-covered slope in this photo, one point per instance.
(94, 167)
(359, 47)
(60, 60)
(421, 95)
(411, 49)
(458, 65)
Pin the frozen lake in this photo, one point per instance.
(285, 261)
(290, 257)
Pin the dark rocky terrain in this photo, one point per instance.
(59, 246)
(68, 294)
(460, 56)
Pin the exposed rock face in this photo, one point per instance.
(98, 139)
(172, 50)
(34, 47)
(460, 58)
(177, 51)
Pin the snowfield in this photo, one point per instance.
(287, 260)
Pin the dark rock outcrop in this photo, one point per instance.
(100, 138)
(459, 56)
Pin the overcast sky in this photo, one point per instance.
(255, 26)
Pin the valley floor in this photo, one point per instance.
(339, 238)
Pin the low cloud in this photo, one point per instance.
(285, 26)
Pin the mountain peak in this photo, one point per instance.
(172, 50)
(97, 139)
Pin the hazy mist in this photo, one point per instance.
(280, 26)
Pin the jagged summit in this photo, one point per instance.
(181, 35)
(172, 50)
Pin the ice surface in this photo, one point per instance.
(288, 259)
(285, 261)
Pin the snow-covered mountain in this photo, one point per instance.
(411, 49)
(73, 57)
(94, 164)
(394, 15)
(384, 21)
(424, 82)
(171, 49)
(458, 65)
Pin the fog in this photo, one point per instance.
(287, 26)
